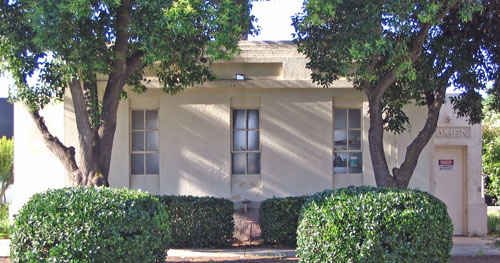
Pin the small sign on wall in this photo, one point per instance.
(446, 165)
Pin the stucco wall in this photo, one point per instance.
(36, 168)
(195, 139)
(475, 213)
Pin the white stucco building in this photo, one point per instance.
(272, 134)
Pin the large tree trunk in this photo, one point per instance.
(95, 140)
(405, 171)
(400, 176)
(376, 145)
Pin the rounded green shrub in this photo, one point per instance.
(199, 222)
(278, 219)
(90, 225)
(367, 224)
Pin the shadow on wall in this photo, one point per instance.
(295, 140)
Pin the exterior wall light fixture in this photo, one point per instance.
(240, 77)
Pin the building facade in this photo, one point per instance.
(263, 129)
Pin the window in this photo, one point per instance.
(245, 141)
(145, 155)
(347, 155)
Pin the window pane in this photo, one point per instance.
(254, 163)
(239, 160)
(239, 141)
(137, 163)
(253, 119)
(253, 140)
(354, 118)
(151, 119)
(340, 119)
(138, 141)
(355, 140)
(339, 163)
(239, 119)
(137, 120)
(355, 163)
(152, 163)
(152, 141)
(340, 137)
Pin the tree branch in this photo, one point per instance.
(416, 51)
(65, 154)
(81, 115)
(418, 42)
(404, 173)
(116, 81)
(134, 63)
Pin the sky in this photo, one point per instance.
(274, 19)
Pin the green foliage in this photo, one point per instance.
(491, 150)
(55, 42)
(278, 218)
(4, 222)
(199, 222)
(494, 223)
(90, 225)
(6, 164)
(367, 224)
(371, 41)
(6, 158)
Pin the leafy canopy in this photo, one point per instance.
(56, 41)
(366, 40)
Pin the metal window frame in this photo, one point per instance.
(347, 129)
(143, 131)
(246, 130)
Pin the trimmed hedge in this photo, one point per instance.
(199, 222)
(278, 218)
(367, 224)
(90, 225)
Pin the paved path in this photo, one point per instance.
(474, 246)
(232, 252)
(462, 246)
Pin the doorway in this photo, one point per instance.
(450, 183)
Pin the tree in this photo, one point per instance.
(64, 45)
(491, 152)
(6, 164)
(401, 52)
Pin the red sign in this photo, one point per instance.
(446, 162)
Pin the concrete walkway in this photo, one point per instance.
(474, 246)
(232, 252)
(462, 246)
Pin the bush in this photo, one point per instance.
(6, 163)
(367, 224)
(4, 222)
(494, 223)
(90, 225)
(278, 218)
(199, 222)
(491, 162)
